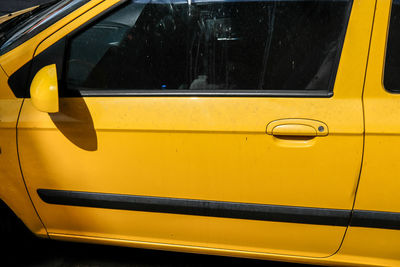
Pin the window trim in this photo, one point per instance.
(198, 93)
(390, 91)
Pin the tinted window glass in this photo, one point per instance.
(211, 45)
(392, 66)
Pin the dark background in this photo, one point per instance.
(8, 6)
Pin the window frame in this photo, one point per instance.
(109, 92)
(390, 91)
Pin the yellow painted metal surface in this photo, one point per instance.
(201, 148)
(218, 149)
(350, 254)
(294, 130)
(12, 187)
(376, 247)
(44, 89)
(380, 183)
(197, 149)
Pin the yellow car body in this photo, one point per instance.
(300, 179)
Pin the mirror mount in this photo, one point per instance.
(44, 90)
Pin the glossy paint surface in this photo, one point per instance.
(44, 90)
(12, 187)
(206, 148)
(218, 149)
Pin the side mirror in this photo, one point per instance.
(44, 89)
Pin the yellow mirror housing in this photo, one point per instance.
(44, 89)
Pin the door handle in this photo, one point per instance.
(297, 127)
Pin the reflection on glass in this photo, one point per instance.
(211, 45)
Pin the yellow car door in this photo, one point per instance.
(231, 126)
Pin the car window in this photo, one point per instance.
(210, 45)
(391, 79)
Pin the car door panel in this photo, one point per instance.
(187, 155)
(206, 157)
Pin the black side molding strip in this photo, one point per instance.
(376, 219)
(235, 210)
